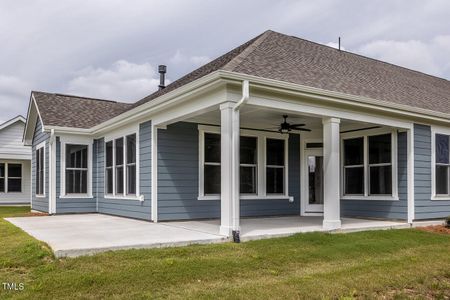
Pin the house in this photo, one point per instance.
(15, 163)
(277, 126)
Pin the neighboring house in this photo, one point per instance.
(374, 144)
(15, 163)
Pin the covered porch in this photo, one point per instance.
(322, 196)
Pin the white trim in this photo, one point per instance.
(444, 131)
(75, 140)
(12, 121)
(249, 197)
(411, 171)
(154, 175)
(261, 165)
(39, 146)
(112, 137)
(394, 163)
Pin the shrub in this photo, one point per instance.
(447, 222)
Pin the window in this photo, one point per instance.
(109, 167)
(39, 176)
(368, 166)
(14, 181)
(2, 178)
(380, 165)
(131, 164)
(10, 178)
(121, 166)
(262, 165)
(354, 166)
(275, 166)
(442, 164)
(76, 172)
(212, 164)
(248, 165)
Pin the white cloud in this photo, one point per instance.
(14, 96)
(123, 81)
(180, 58)
(426, 56)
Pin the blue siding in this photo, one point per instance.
(425, 208)
(178, 179)
(120, 207)
(384, 209)
(70, 205)
(39, 203)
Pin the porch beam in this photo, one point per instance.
(229, 160)
(331, 149)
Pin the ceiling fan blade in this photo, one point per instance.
(302, 129)
(272, 128)
(297, 125)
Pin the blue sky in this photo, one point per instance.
(111, 48)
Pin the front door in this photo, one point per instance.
(314, 180)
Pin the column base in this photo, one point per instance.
(226, 230)
(331, 224)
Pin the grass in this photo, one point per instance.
(393, 264)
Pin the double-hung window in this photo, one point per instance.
(10, 178)
(212, 164)
(262, 165)
(368, 166)
(76, 169)
(275, 164)
(121, 167)
(248, 165)
(39, 170)
(442, 165)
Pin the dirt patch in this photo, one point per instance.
(435, 229)
(36, 214)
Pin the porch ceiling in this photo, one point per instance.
(263, 118)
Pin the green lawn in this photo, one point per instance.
(378, 264)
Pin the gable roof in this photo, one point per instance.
(74, 111)
(281, 57)
(14, 120)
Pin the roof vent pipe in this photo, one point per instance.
(162, 69)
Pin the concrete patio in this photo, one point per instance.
(75, 235)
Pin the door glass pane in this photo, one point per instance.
(354, 181)
(315, 179)
(381, 180)
(380, 149)
(248, 153)
(354, 151)
(275, 152)
(248, 180)
(442, 180)
(212, 180)
(442, 149)
(275, 180)
(212, 147)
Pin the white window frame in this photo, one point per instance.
(8, 177)
(75, 140)
(41, 146)
(123, 133)
(444, 131)
(365, 134)
(261, 165)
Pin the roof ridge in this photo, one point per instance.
(237, 60)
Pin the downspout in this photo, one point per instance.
(235, 203)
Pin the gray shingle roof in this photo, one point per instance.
(74, 111)
(281, 57)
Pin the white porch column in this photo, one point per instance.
(331, 151)
(410, 170)
(229, 195)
